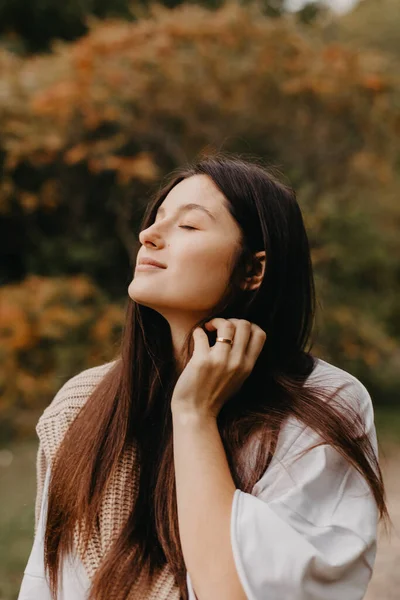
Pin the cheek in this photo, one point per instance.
(196, 279)
(205, 256)
(204, 276)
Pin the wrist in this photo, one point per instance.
(187, 415)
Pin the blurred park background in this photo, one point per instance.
(99, 100)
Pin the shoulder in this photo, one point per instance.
(349, 395)
(351, 392)
(65, 406)
(327, 374)
(76, 390)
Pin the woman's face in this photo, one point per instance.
(196, 245)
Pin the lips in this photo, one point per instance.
(144, 267)
(151, 262)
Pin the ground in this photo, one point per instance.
(385, 583)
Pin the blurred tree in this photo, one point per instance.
(372, 24)
(86, 134)
(311, 11)
(39, 22)
(49, 328)
(34, 25)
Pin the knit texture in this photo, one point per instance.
(119, 495)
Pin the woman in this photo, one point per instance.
(215, 458)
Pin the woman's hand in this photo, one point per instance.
(214, 374)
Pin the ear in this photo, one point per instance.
(255, 272)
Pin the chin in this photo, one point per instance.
(136, 296)
(149, 295)
(133, 293)
(144, 297)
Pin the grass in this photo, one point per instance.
(17, 496)
(387, 421)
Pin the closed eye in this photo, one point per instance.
(187, 227)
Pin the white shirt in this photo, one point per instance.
(307, 531)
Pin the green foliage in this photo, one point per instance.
(311, 11)
(38, 23)
(373, 24)
(17, 500)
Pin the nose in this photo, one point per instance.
(151, 236)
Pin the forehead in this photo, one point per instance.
(198, 189)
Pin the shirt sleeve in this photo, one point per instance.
(34, 583)
(191, 594)
(74, 583)
(308, 529)
(41, 470)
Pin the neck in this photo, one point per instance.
(180, 325)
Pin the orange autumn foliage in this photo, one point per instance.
(89, 131)
(49, 328)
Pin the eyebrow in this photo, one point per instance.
(191, 206)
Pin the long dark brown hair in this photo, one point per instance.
(131, 405)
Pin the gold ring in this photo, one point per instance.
(225, 340)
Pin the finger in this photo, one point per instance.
(243, 331)
(216, 323)
(201, 344)
(255, 346)
(224, 329)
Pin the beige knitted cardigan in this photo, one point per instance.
(119, 495)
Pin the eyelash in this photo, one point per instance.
(187, 227)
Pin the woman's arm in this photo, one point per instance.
(307, 531)
(205, 491)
